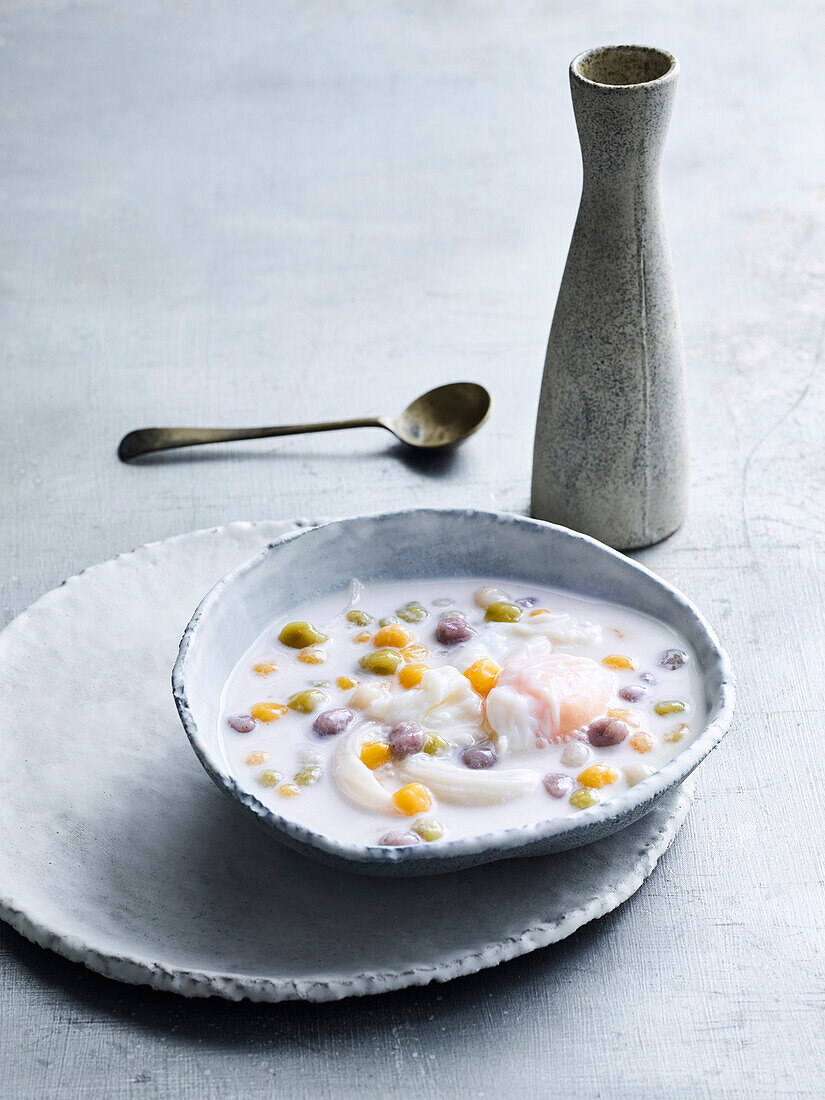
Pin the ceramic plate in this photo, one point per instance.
(119, 853)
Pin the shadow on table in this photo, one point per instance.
(426, 1015)
(464, 1005)
(431, 463)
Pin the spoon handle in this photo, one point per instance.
(147, 440)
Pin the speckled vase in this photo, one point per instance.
(610, 453)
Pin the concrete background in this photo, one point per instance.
(263, 212)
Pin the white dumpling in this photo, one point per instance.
(444, 702)
(542, 697)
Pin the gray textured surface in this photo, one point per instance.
(611, 454)
(231, 212)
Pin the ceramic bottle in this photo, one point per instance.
(610, 454)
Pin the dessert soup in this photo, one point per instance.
(423, 711)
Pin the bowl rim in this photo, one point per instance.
(500, 840)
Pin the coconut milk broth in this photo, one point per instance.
(284, 746)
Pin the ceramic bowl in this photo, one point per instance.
(431, 543)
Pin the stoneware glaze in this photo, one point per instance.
(430, 543)
(119, 853)
(610, 452)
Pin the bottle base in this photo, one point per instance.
(622, 539)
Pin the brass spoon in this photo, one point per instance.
(440, 418)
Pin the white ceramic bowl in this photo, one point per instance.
(431, 543)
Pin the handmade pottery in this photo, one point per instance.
(610, 454)
(120, 854)
(432, 543)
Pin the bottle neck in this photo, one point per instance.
(622, 132)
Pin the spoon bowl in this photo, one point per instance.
(443, 417)
(438, 419)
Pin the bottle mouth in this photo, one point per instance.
(624, 66)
